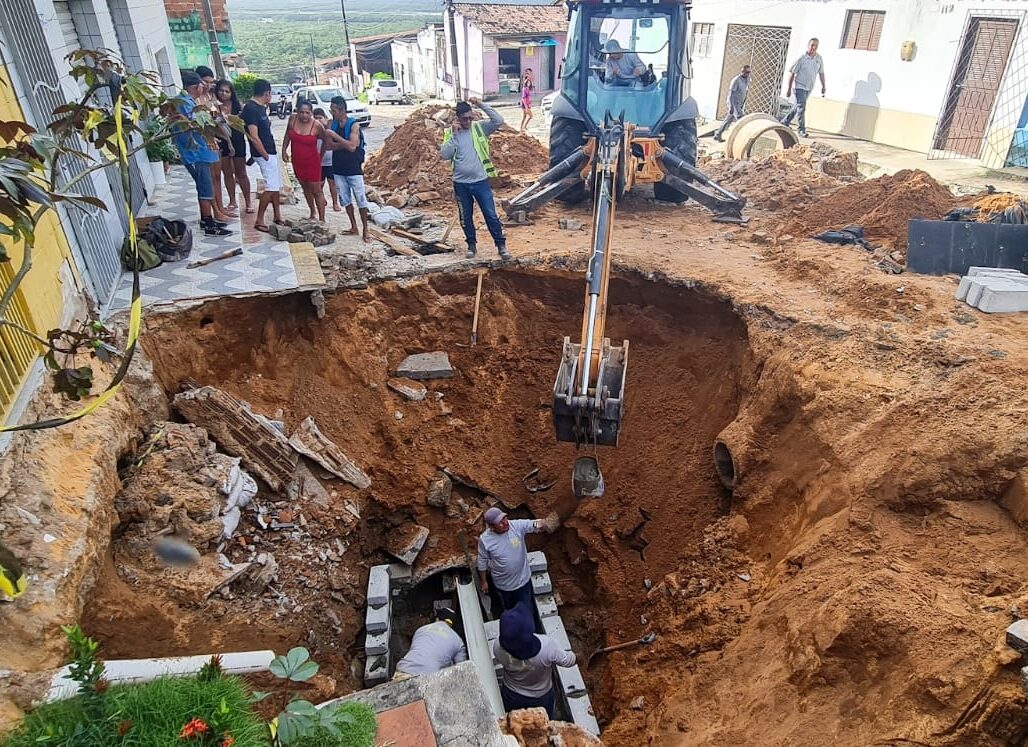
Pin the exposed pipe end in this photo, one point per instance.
(724, 464)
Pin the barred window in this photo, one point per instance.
(863, 29)
(702, 39)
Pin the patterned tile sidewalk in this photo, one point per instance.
(265, 265)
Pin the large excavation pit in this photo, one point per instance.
(488, 425)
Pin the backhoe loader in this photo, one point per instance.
(623, 117)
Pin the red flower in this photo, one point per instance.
(228, 741)
(123, 727)
(193, 728)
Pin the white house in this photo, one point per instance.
(417, 62)
(945, 78)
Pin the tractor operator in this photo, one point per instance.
(623, 66)
(502, 553)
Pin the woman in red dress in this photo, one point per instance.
(307, 137)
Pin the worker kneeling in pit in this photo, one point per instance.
(434, 647)
(527, 659)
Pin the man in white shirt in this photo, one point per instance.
(503, 555)
(435, 646)
(802, 74)
(737, 91)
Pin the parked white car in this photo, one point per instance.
(322, 97)
(383, 91)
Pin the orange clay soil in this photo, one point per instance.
(854, 588)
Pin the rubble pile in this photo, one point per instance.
(882, 206)
(295, 231)
(782, 181)
(408, 171)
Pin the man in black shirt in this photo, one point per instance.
(263, 151)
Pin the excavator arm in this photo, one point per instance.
(588, 393)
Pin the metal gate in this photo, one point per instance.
(973, 101)
(764, 49)
(100, 250)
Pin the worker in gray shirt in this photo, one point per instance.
(802, 75)
(503, 555)
(737, 91)
(527, 661)
(466, 147)
(435, 646)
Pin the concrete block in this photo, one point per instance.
(378, 586)
(425, 366)
(980, 284)
(1017, 636)
(975, 271)
(412, 390)
(554, 628)
(378, 619)
(404, 543)
(537, 561)
(376, 644)
(571, 681)
(400, 573)
(541, 583)
(1004, 300)
(582, 714)
(376, 670)
(546, 605)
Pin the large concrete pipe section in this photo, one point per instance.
(478, 645)
(733, 453)
(745, 133)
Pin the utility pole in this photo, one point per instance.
(457, 91)
(314, 61)
(350, 55)
(212, 34)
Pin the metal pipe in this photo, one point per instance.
(478, 645)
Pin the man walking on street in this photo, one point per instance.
(737, 91)
(466, 147)
(502, 553)
(262, 149)
(802, 74)
(348, 148)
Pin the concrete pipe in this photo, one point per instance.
(763, 127)
(736, 128)
(733, 452)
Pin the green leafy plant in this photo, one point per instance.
(353, 725)
(158, 149)
(244, 85)
(295, 666)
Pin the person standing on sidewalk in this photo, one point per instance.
(233, 152)
(346, 140)
(737, 91)
(262, 148)
(307, 138)
(197, 155)
(326, 165)
(466, 147)
(803, 74)
(527, 85)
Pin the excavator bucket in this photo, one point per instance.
(593, 419)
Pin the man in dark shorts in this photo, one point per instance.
(197, 155)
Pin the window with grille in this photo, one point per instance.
(17, 351)
(702, 39)
(863, 29)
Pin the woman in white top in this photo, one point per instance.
(326, 164)
(527, 660)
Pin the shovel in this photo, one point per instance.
(644, 641)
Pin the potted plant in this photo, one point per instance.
(160, 151)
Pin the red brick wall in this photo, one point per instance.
(180, 8)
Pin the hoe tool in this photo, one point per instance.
(646, 640)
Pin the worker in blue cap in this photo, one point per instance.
(527, 659)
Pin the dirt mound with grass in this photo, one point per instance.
(883, 206)
(408, 163)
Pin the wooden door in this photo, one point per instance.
(976, 80)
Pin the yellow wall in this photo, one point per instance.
(42, 288)
(887, 126)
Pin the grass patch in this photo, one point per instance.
(149, 715)
(356, 723)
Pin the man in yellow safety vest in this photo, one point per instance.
(466, 147)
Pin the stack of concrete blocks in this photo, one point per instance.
(994, 290)
(378, 623)
(569, 679)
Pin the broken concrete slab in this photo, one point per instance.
(439, 491)
(240, 432)
(308, 440)
(415, 391)
(378, 585)
(404, 543)
(1017, 636)
(426, 366)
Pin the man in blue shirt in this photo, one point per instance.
(197, 155)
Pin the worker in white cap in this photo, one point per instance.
(503, 555)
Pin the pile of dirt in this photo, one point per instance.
(785, 180)
(883, 206)
(409, 170)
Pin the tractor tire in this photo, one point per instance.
(565, 138)
(680, 138)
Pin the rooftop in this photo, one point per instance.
(509, 20)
